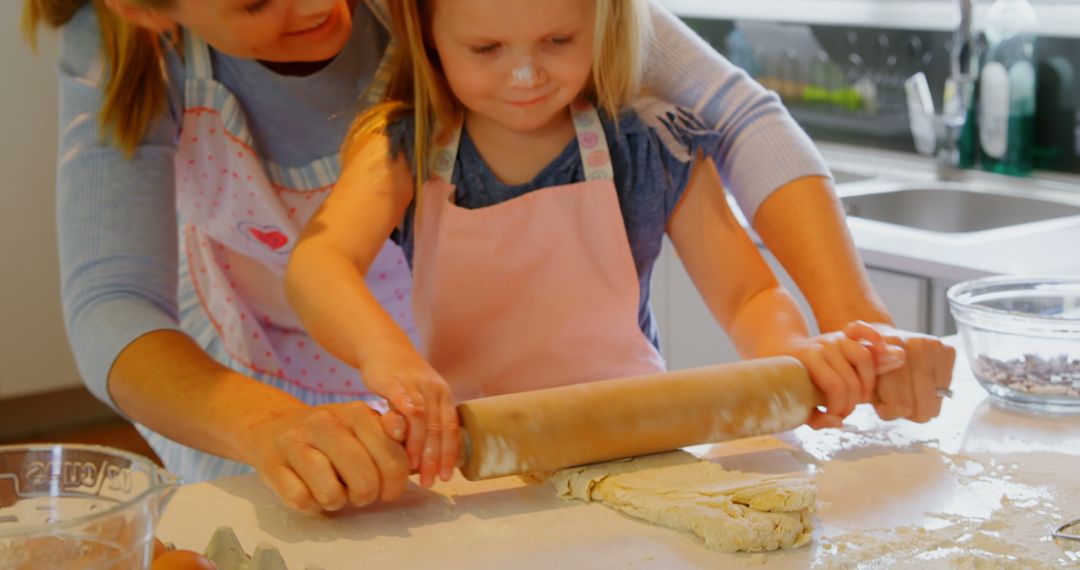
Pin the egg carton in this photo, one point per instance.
(227, 553)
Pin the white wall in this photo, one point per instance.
(34, 354)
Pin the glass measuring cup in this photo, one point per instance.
(66, 506)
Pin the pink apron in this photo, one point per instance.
(239, 218)
(534, 292)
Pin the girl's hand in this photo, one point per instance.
(845, 365)
(416, 391)
(322, 458)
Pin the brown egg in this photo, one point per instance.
(182, 560)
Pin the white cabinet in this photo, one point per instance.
(690, 337)
(907, 297)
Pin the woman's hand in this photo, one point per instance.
(915, 390)
(845, 366)
(416, 391)
(322, 458)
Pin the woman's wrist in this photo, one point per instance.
(256, 423)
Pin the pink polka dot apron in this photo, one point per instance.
(534, 292)
(239, 220)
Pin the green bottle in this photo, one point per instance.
(1007, 88)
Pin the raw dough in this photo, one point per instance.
(732, 511)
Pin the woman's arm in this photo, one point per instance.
(802, 224)
(313, 457)
(762, 148)
(771, 168)
(118, 262)
(117, 229)
(116, 218)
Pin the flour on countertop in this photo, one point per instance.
(1017, 533)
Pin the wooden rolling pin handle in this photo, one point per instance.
(551, 429)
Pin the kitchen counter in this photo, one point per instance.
(975, 479)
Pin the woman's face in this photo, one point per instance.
(269, 30)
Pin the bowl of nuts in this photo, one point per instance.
(1022, 339)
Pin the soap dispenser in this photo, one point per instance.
(1007, 88)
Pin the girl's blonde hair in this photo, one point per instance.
(418, 85)
(136, 90)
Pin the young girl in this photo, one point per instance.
(531, 187)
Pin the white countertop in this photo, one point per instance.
(976, 476)
(1048, 249)
(1042, 248)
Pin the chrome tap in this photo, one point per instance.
(963, 48)
(940, 133)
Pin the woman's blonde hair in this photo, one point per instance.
(418, 85)
(136, 90)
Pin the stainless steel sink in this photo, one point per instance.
(952, 209)
(846, 177)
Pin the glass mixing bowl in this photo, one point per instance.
(1022, 339)
(65, 506)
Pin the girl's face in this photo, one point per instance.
(269, 30)
(519, 63)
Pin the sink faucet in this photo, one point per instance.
(940, 133)
(962, 59)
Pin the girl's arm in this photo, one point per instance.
(733, 278)
(325, 278)
(744, 296)
(325, 284)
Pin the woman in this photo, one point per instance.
(227, 157)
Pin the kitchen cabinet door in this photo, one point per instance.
(906, 296)
(690, 336)
(941, 321)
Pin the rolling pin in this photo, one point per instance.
(554, 428)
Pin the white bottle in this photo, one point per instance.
(1007, 87)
